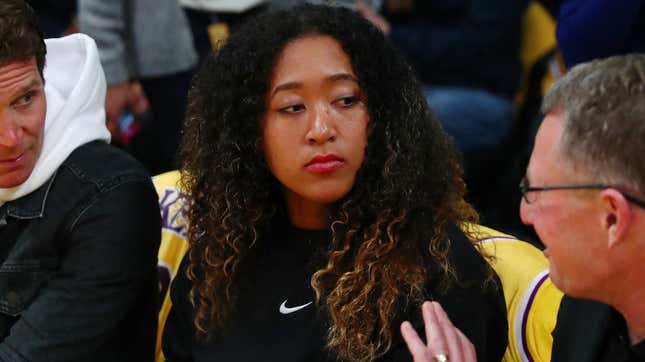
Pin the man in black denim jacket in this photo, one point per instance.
(79, 220)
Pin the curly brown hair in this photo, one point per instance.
(386, 231)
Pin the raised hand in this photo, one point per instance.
(444, 341)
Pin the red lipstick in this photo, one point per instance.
(324, 163)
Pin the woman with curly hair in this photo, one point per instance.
(324, 206)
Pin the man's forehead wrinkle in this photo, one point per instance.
(14, 73)
(19, 84)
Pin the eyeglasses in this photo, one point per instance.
(525, 190)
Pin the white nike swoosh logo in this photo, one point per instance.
(286, 310)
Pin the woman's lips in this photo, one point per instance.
(324, 163)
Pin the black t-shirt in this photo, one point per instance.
(590, 331)
(276, 318)
(617, 347)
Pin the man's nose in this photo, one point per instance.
(526, 212)
(322, 126)
(10, 131)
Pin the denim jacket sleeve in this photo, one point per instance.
(107, 266)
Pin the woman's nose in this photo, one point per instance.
(322, 128)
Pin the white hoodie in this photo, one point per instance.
(75, 93)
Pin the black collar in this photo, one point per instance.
(639, 350)
(32, 205)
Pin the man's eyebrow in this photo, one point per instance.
(34, 83)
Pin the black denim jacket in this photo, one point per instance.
(78, 278)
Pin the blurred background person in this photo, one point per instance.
(592, 29)
(147, 51)
(466, 53)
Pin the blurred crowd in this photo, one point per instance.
(483, 64)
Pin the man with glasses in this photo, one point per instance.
(584, 193)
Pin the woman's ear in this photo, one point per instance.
(616, 216)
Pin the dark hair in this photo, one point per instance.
(385, 231)
(603, 103)
(21, 39)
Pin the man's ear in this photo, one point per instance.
(616, 216)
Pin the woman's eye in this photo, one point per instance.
(348, 101)
(294, 108)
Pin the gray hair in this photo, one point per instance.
(603, 103)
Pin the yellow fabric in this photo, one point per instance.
(173, 241)
(218, 34)
(542, 319)
(523, 271)
(538, 38)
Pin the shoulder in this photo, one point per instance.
(474, 301)
(582, 330)
(525, 301)
(99, 183)
(468, 263)
(104, 165)
(532, 301)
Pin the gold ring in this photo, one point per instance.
(440, 357)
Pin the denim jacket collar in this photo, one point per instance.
(31, 206)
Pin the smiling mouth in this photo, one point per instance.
(324, 163)
(8, 161)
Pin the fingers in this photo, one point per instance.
(113, 127)
(138, 101)
(435, 333)
(112, 122)
(442, 337)
(122, 97)
(116, 100)
(450, 332)
(467, 347)
(417, 348)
